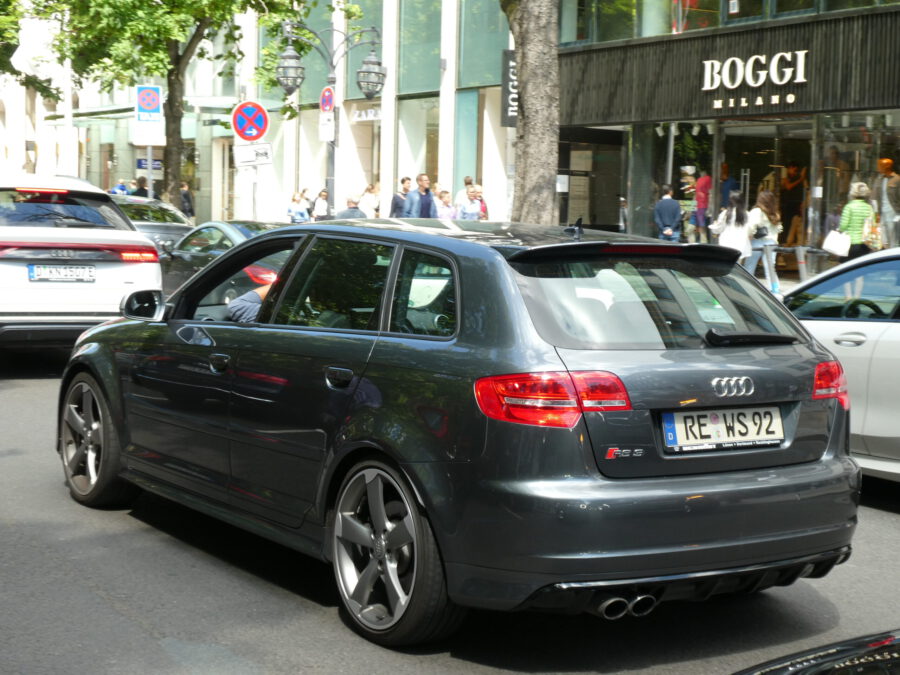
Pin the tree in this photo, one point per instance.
(121, 42)
(10, 15)
(534, 28)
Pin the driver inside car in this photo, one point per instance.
(244, 308)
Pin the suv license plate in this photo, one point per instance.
(62, 273)
(722, 429)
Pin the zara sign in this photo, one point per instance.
(782, 68)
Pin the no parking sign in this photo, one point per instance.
(250, 121)
(148, 105)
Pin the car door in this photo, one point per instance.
(855, 315)
(192, 254)
(177, 389)
(304, 372)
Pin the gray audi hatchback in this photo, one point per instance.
(469, 414)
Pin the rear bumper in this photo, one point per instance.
(511, 540)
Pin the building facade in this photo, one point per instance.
(738, 88)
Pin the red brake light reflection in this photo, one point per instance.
(43, 190)
(553, 399)
(261, 275)
(829, 382)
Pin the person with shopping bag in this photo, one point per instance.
(855, 218)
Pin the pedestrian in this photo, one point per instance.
(320, 206)
(793, 194)
(462, 196)
(731, 226)
(701, 194)
(399, 199)
(187, 201)
(854, 218)
(470, 209)
(763, 227)
(445, 209)
(419, 203)
(727, 185)
(119, 188)
(141, 189)
(132, 186)
(352, 210)
(887, 201)
(368, 202)
(479, 195)
(667, 216)
(298, 209)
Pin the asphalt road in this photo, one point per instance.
(158, 588)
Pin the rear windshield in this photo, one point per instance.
(152, 213)
(645, 302)
(59, 209)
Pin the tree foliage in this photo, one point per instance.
(125, 42)
(10, 16)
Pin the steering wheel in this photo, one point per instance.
(851, 309)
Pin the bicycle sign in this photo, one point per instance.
(250, 121)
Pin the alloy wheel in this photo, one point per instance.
(82, 438)
(375, 548)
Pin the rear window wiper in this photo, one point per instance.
(723, 338)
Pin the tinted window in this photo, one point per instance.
(152, 213)
(206, 240)
(339, 285)
(644, 302)
(869, 292)
(59, 209)
(425, 296)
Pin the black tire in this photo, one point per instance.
(89, 447)
(386, 562)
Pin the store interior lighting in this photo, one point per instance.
(660, 130)
(695, 129)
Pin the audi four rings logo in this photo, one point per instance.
(733, 386)
(62, 253)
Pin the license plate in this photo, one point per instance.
(62, 273)
(723, 429)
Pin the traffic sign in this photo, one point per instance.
(326, 100)
(148, 103)
(250, 121)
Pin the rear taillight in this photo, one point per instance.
(261, 275)
(554, 399)
(829, 382)
(139, 254)
(55, 191)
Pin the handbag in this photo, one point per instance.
(837, 243)
(872, 234)
(761, 232)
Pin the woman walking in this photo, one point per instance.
(320, 207)
(854, 217)
(298, 209)
(731, 226)
(763, 227)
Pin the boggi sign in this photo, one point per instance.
(782, 68)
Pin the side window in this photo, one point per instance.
(864, 293)
(339, 284)
(425, 296)
(202, 240)
(238, 292)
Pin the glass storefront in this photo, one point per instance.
(417, 137)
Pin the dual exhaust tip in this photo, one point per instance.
(614, 607)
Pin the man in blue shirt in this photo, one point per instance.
(667, 216)
(420, 203)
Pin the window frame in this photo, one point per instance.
(393, 278)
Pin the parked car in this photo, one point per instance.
(68, 256)
(877, 653)
(478, 414)
(163, 224)
(205, 243)
(854, 310)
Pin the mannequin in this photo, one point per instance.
(887, 201)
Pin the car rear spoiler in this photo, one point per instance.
(582, 249)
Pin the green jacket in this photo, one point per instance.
(853, 219)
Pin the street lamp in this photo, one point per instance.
(370, 77)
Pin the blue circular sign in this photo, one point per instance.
(250, 121)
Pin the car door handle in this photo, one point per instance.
(338, 377)
(219, 362)
(850, 339)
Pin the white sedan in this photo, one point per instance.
(854, 310)
(68, 255)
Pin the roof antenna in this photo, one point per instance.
(576, 230)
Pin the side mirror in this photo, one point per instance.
(143, 306)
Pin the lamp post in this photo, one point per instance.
(369, 78)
